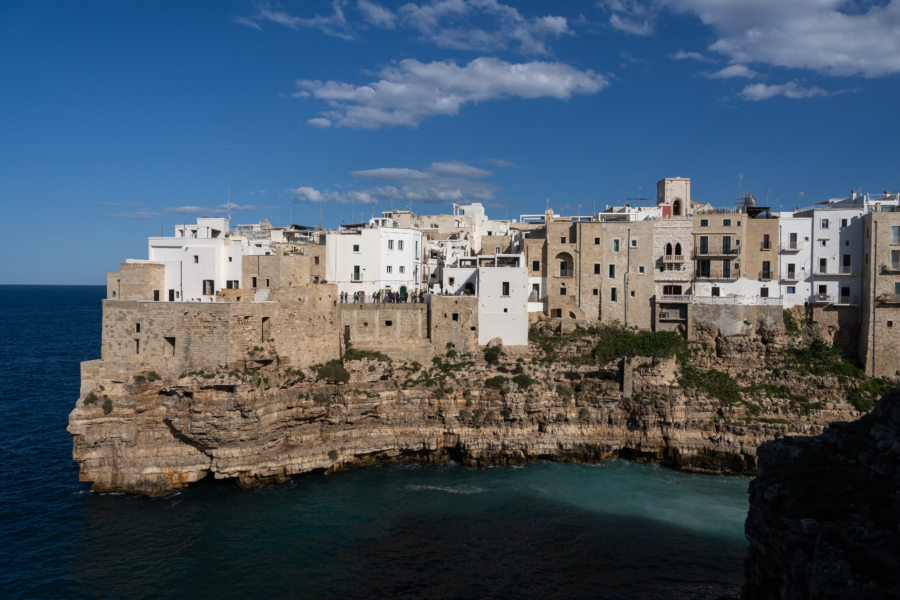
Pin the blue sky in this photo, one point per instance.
(117, 119)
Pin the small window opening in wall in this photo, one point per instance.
(365, 323)
(156, 295)
(562, 240)
(229, 259)
(137, 346)
(715, 292)
(472, 328)
(264, 329)
(890, 323)
(632, 293)
(267, 282)
(170, 346)
(596, 292)
(505, 310)
(253, 282)
(316, 260)
(137, 327)
(388, 323)
(347, 332)
(596, 241)
(196, 259)
(505, 288)
(634, 243)
(451, 280)
(456, 316)
(641, 270)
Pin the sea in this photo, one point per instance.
(545, 530)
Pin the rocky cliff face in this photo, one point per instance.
(265, 423)
(824, 518)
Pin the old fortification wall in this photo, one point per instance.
(398, 330)
(454, 320)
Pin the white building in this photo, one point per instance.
(795, 258)
(375, 257)
(501, 283)
(202, 258)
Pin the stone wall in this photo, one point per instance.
(735, 319)
(137, 281)
(493, 244)
(454, 320)
(879, 332)
(298, 327)
(840, 325)
(398, 330)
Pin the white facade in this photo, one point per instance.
(201, 259)
(836, 251)
(751, 289)
(377, 257)
(503, 300)
(794, 259)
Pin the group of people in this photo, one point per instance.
(382, 297)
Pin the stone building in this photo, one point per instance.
(879, 339)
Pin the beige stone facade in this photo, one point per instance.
(136, 281)
(879, 340)
(454, 320)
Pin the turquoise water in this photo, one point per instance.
(613, 530)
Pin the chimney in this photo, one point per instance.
(853, 194)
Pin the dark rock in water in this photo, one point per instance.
(824, 518)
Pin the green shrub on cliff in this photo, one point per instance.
(334, 371)
(790, 323)
(869, 391)
(523, 381)
(90, 399)
(616, 342)
(821, 358)
(107, 405)
(496, 383)
(492, 355)
(717, 384)
(354, 354)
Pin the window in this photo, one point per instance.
(764, 292)
(703, 268)
(535, 265)
(562, 240)
(229, 259)
(726, 222)
(845, 263)
(253, 282)
(170, 346)
(895, 259)
(267, 282)
(791, 289)
(715, 292)
(402, 269)
(823, 265)
(596, 268)
(390, 244)
(562, 291)
(726, 244)
(843, 223)
(156, 295)
(897, 287)
(615, 245)
(451, 280)
(196, 259)
(792, 244)
(634, 243)
(613, 296)
(455, 316)
(596, 241)
(824, 223)
(738, 223)
(845, 295)
(399, 244)
(890, 323)
(316, 260)
(704, 244)
(612, 271)
(390, 269)
(823, 242)
(596, 292)
(704, 222)
(137, 346)
(632, 293)
(895, 234)
(356, 247)
(505, 288)
(556, 312)
(726, 268)
(766, 270)
(641, 270)
(388, 323)
(208, 287)
(791, 268)
(767, 243)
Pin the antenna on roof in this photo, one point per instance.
(228, 203)
(799, 195)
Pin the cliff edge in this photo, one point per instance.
(824, 519)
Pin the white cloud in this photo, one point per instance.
(479, 25)
(499, 162)
(450, 181)
(319, 122)
(208, 210)
(690, 55)
(377, 15)
(833, 37)
(761, 91)
(732, 71)
(335, 24)
(452, 24)
(410, 91)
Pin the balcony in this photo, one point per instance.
(673, 258)
(790, 276)
(890, 269)
(888, 299)
(355, 277)
(842, 300)
(844, 270)
(792, 246)
(566, 274)
(764, 275)
(765, 247)
(674, 299)
(735, 274)
(712, 252)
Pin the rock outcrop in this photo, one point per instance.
(266, 423)
(824, 518)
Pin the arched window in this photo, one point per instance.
(677, 249)
(668, 249)
(676, 207)
(564, 260)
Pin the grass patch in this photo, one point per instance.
(616, 342)
(354, 354)
(790, 323)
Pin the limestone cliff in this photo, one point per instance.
(266, 422)
(824, 518)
